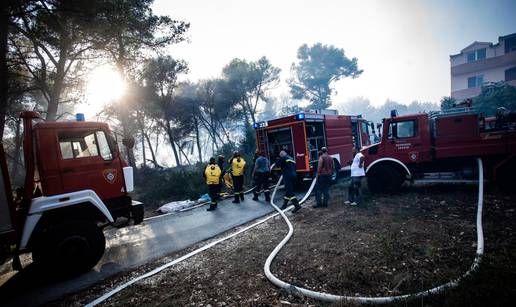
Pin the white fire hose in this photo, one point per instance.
(299, 290)
(119, 288)
(328, 297)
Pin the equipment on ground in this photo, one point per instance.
(76, 183)
(442, 146)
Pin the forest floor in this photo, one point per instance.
(390, 245)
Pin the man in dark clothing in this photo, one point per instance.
(288, 170)
(325, 169)
(212, 176)
(261, 173)
(220, 163)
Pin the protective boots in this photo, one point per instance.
(242, 196)
(237, 199)
(267, 196)
(212, 207)
(285, 204)
(297, 206)
(255, 197)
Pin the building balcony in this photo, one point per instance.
(472, 92)
(482, 65)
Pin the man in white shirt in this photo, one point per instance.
(357, 173)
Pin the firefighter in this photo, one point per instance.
(261, 176)
(220, 163)
(357, 174)
(288, 170)
(212, 174)
(237, 164)
(325, 169)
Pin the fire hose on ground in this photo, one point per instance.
(310, 293)
(385, 299)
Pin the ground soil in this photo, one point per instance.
(389, 245)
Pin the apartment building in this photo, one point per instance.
(483, 62)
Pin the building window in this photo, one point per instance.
(476, 55)
(475, 81)
(510, 45)
(510, 74)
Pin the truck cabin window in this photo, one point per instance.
(402, 129)
(83, 144)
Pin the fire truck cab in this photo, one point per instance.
(75, 184)
(304, 134)
(441, 146)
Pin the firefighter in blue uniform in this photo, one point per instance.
(288, 170)
(261, 174)
(212, 174)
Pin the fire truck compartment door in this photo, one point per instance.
(300, 151)
(339, 137)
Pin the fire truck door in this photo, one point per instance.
(88, 162)
(404, 140)
(300, 146)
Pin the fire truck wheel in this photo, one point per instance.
(70, 248)
(384, 179)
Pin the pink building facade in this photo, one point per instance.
(483, 62)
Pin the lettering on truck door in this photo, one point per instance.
(405, 140)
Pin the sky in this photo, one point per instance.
(403, 46)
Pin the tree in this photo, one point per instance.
(447, 102)
(160, 76)
(494, 96)
(128, 30)
(318, 67)
(249, 83)
(50, 38)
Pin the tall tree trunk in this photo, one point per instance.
(143, 151)
(198, 138)
(17, 153)
(57, 87)
(4, 85)
(154, 161)
(123, 111)
(172, 143)
(184, 154)
(141, 121)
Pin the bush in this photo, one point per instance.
(154, 187)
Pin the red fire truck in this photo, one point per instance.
(442, 146)
(303, 135)
(75, 183)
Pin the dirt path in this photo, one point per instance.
(390, 245)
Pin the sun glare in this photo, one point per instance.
(104, 86)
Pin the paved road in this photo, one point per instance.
(132, 246)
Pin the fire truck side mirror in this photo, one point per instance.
(128, 142)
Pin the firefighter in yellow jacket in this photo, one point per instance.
(237, 164)
(212, 174)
